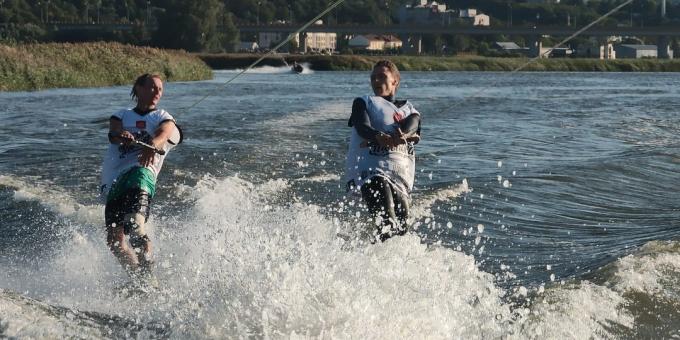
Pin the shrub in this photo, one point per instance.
(39, 66)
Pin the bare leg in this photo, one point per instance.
(140, 242)
(115, 239)
(142, 248)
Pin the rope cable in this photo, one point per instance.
(335, 4)
(272, 52)
(567, 39)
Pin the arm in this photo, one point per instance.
(408, 131)
(411, 125)
(161, 136)
(116, 133)
(360, 121)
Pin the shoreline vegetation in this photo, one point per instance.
(28, 67)
(447, 63)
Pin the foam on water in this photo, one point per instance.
(320, 178)
(51, 197)
(295, 121)
(423, 206)
(237, 265)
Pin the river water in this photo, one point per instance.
(545, 206)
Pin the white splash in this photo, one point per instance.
(423, 205)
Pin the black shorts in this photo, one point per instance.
(134, 201)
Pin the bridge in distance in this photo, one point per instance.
(414, 33)
(650, 31)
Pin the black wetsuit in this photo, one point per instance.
(382, 199)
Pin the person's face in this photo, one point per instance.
(149, 94)
(383, 82)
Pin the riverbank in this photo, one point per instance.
(53, 65)
(457, 63)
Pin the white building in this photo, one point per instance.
(318, 42)
(374, 42)
(473, 17)
(314, 41)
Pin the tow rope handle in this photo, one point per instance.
(139, 143)
(149, 146)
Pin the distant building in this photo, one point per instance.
(374, 42)
(392, 42)
(319, 42)
(509, 47)
(423, 12)
(560, 52)
(595, 49)
(607, 51)
(467, 13)
(472, 17)
(248, 46)
(630, 51)
(269, 39)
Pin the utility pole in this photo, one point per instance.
(509, 14)
(47, 11)
(387, 13)
(663, 8)
(127, 11)
(538, 17)
(257, 12)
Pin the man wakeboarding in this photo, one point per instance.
(140, 139)
(381, 159)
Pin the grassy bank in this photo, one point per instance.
(40, 66)
(463, 63)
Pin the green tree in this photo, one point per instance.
(230, 34)
(190, 24)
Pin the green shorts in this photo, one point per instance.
(137, 177)
(134, 201)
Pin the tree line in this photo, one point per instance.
(209, 25)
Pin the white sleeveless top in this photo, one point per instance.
(396, 164)
(119, 158)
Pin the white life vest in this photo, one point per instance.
(396, 164)
(119, 158)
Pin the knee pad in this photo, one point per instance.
(134, 226)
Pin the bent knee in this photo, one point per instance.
(134, 224)
(137, 230)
